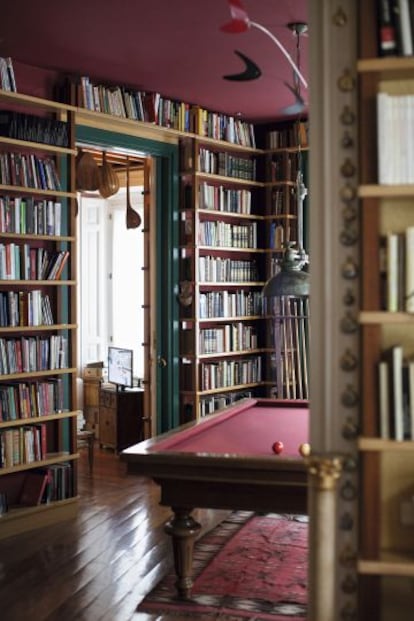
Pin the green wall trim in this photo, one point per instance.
(167, 271)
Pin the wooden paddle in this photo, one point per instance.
(133, 219)
(109, 183)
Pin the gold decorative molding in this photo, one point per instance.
(324, 471)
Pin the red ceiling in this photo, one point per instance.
(175, 47)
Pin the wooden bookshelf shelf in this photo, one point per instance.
(384, 317)
(381, 445)
(389, 564)
(38, 419)
(26, 144)
(385, 191)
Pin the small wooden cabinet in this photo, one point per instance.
(91, 387)
(120, 417)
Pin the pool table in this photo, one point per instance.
(226, 461)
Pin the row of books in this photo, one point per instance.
(397, 271)
(220, 270)
(278, 205)
(215, 304)
(28, 170)
(294, 135)
(395, 27)
(7, 77)
(280, 234)
(152, 107)
(26, 215)
(21, 400)
(29, 127)
(33, 353)
(396, 395)
(219, 198)
(228, 338)
(283, 167)
(31, 263)
(25, 308)
(45, 485)
(211, 404)
(227, 373)
(225, 235)
(226, 164)
(395, 126)
(22, 445)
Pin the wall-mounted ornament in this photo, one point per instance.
(349, 584)
(339, 18)
(348, 557)
(348, 491)
(185, 296)
(349, 612)
(346, 521)
(347, 116)
(347, 193)
(348, 168)
(349, 213)
(349, 324)
(349, 397)
(349, 236)
(347, 140)
(349, 429)
(350, 463)
(349, 361)
(349, 298)
(346, 81)
(349, 269)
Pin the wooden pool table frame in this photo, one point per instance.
(214, 481)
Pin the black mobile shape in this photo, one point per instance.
(251, 72)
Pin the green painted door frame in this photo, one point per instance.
(166, 312)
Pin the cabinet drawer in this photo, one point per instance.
(107, 399)
(107, 427)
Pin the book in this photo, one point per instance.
(393, 356)
(409, 272)
(392, 245)
(387, 34)
(403, 27)
(410, 387)
(33, 489)
(384, 400)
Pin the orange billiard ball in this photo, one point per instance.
(277, 447)
(304, 449)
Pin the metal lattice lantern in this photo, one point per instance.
(286, 304)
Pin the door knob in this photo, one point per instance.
(161, 362)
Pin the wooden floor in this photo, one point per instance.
(98, 566)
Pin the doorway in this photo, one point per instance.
(160, 267)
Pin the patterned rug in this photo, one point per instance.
(250, 567)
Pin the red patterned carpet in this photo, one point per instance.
(248, 568)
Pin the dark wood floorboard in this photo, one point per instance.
(99, 566)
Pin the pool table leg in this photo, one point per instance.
(183, 529)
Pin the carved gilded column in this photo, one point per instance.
(324, 472)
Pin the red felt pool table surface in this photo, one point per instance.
(247, 428)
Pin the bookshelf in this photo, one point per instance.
(286, 323)
(37, 313)
(386, 465)
(222, 269)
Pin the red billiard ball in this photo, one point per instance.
(277, 447)
(305, 449)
